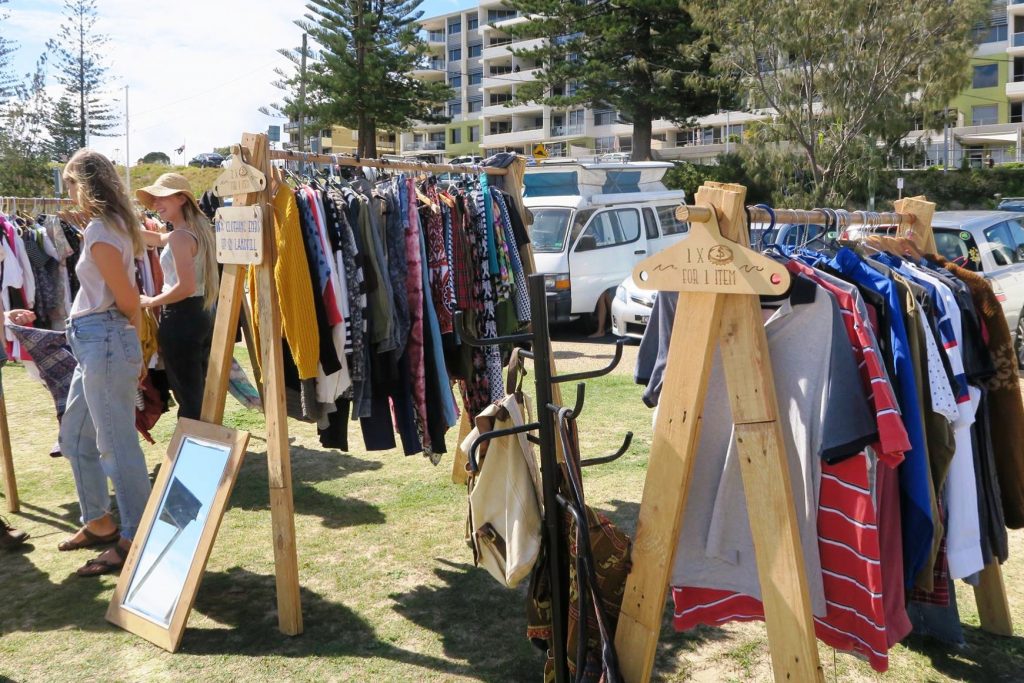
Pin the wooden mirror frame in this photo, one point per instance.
(169, 637)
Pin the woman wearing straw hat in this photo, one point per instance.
(189, 264)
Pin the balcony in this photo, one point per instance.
(515, 137)
(502, 110)
(436, 37)
(1015, 7)
(433, 70)
(1015, 89)
(1016, 46)
(426, 145)
(566, 131)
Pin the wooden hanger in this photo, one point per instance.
(708, 262)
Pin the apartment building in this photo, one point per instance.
(336, 139)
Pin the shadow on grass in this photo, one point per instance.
(245, 602)
(38, 605)
(308, 467)
(985, 657)
(66, 520)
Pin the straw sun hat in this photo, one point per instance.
(165, 186)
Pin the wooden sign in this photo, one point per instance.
(239, 234)
(708, 262)
(239, 178)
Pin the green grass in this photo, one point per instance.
(388, 587)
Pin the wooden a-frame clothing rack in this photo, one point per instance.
(255, 151)
(727, 314)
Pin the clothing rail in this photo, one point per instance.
(761, 214)
(342, 160)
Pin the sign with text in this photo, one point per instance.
(239, 235)
(239, 178)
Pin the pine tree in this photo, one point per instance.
(358, 75)
(80, 69)
(25, 170)
(643, 58)
(7, 81)
(62, 124)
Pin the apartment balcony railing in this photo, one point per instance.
(562, 131)
(427, 145)
(435, 37)
(1017, 40)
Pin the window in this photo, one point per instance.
(985, 76)
(650, 224)
(605, 144)
(456, 136)
(474, 133)
(475, 77)
(990, 34)
(475, 50)
(476, 104)
(984, 115)
(499, 127)
(953, 245)
(455, 80)
(454, 26)
(500, 14)
(611, 228)
(1006, 242)
(670, 225)
(454, 108)
(576, 117)
(604, 117)
(455, 54)
(473, 23)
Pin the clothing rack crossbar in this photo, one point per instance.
(845, 219)
(341, 160)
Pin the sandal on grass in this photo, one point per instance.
(98, 566)
(90, 541)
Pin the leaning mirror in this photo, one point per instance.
(161, 575)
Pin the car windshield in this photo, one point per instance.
(549, 229)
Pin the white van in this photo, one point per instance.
(592, 222)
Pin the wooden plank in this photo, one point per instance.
(921, 231)
(669, 471)
(219, 370)
(993, 607)
(765, 469)
(282, 507)
(10, 481)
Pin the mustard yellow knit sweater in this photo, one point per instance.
(294, 286)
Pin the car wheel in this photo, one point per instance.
(1018, 341)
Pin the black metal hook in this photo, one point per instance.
(469, 338)
(610, 458)
(581, 393)
(591, 374)
(487, 436)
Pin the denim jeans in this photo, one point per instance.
(97, 432)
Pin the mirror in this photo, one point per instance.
(168, 551)
(161, 575)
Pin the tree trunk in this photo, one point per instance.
(367, 137)
(641, 134)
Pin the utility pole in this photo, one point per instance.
(127, 148)
(945, 139)
(302, 98)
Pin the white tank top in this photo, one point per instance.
(171, 273)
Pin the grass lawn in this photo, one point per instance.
(388, 586)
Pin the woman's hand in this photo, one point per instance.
(146, 301)
(21, 316)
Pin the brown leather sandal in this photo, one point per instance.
(98, 566)
(91, 540)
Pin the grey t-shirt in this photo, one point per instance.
(822, 410)
(94, 296)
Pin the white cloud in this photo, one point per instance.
(197, 70)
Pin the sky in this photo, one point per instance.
(197, 71)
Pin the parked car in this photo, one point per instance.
(1011, 204)
(631, 309)
(207, 160)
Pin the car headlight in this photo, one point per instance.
(620, 293)
(556, 282)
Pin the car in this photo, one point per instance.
(631, 309)
(207, 160)
(1011, 204)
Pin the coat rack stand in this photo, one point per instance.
(549, 413)
(718, 307)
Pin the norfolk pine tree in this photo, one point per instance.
(841, 75)
(80, 69)
(358, 75)
(7, 81)
(643, 58)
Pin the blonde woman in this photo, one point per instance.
(189, 264)
(97, 432)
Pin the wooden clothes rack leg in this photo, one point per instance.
(282, 510)
(10, 482)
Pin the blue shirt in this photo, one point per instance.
(915, 501)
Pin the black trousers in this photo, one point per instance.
(184, 336)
